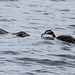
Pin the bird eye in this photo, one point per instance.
(47, 32)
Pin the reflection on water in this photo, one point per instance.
(35, 55)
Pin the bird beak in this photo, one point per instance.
(42, 34)
(28, 35)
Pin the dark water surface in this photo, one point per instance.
(34, 55)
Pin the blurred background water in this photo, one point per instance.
(34, 55)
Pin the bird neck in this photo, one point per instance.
(53, 35)
(74, 40)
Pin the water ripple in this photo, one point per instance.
(72, 18)
(8, 0)
(44, 61)
(65, 10)
(66, 56)
(6, 20)
(28, 73)
(46, 13)
(33, 5)
(42, 71)
(9, 52)
(58, 0)
(43, 42)
(55, 0)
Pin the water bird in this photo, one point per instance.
(66, 38)
(19, 34)
(3, 31)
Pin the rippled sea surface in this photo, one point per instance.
(34, 55)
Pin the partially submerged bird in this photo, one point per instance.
(3, 31)
(19, 34)
(66, 38)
